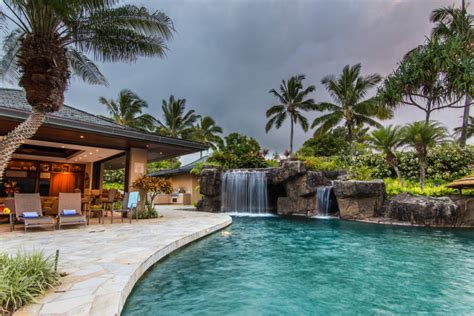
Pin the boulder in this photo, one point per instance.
(308, 183)
(288, 206)
(210, 182)
(465, 205)
(209, 204)
(289, 169)
(421, 210)
(359, 199)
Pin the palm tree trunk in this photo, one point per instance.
(17, 137)
(422, 173)
(399, 175)
(465, 121)
(291, 136)
(427, 117)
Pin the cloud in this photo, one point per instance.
(226, 55)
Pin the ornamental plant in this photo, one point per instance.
(153, 186)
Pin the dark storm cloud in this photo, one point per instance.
(226, 55)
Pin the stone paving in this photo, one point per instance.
(103, 262)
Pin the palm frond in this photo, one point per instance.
(85, 68)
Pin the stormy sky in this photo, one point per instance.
(227, 54)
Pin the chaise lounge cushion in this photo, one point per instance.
(30, 214)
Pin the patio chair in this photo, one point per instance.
(28, 210)
(70, 210)
(109, 200)
(129, 206)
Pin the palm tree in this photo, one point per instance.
(53, 38)
(293, 100)
(457, 23)
(176, 121)
(352, 108)
(470, 128)
(127, 110)
(205, 131)
(388, 140)
(422, 136)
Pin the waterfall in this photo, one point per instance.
(244, 192)
(327, 204)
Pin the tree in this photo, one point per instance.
(127, 110)
(422, 136)
(54, 37)
(206, 131)
(352, 108)
(469, 130)
(453, 23)
(328, 144)
(422, 79)
(293, 99)
(387, 140)
(176, 121)
(239, 144)
(171, 163)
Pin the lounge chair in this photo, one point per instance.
(28, 210)
(69, 210)
(129, 206)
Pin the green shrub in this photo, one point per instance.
(23, 277)
(113, 185)
(362, 173)
(322, 163)
(147, 212)
(445, 163)
(393, 186)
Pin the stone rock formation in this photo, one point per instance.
(359, 199)
(422, 210)
(210, 188)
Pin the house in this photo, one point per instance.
(184, 183)
(73, 148)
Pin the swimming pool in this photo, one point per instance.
(280, 266)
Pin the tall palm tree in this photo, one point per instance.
(422, 136)
(206, 131)
(352, 108)
(176, 121)
(54, 37)
(127, 110)
(470, 128)
(293, 99)
(388, 140)
(457, 23)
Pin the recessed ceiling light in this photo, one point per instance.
(90, 153)
(82, 136)
(80, 157)
(62, 146)
(161, 153)
(96, 150)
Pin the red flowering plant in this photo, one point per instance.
(11, 187)
(153, 186)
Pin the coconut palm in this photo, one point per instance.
(457, 23)
(352, 108)
(293, 98)
(53, 39)
(422, 136)
(206, 131)
(387, 140)
(176, 121)
(127, 110)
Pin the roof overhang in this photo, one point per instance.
(58, 129)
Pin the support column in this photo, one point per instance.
(137, 160)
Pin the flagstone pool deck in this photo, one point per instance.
(103, 262)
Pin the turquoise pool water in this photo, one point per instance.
(275, 266)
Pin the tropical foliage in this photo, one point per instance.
(176, 122)
(387, 140)
(152, 186)
(206, 131)
(127, 110)
(52, 38)
(352, 107)
(423, 136)
(456, 24)
(292, 98)
(394, 187)
(23, 277)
